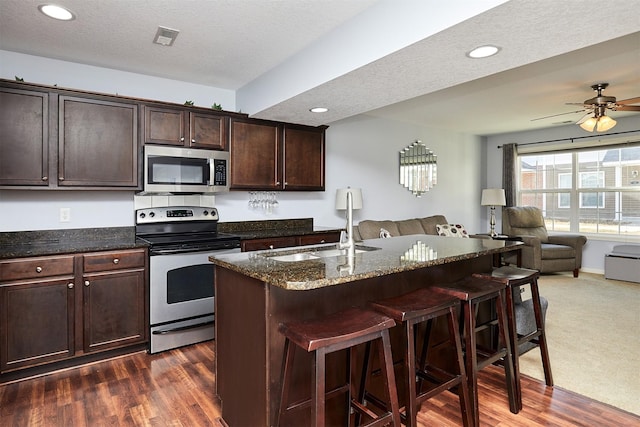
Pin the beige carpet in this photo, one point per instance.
(593, 333)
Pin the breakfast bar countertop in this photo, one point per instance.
(397, 254)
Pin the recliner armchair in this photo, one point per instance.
(542, 252)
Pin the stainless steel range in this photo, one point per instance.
(181, 277)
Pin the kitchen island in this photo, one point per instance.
(256, 291)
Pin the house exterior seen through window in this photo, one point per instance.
(594, 191)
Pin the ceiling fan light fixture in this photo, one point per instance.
(605, 123)
(589, 124)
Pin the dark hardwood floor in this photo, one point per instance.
(176, 388)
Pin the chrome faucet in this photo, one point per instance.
(346, 238)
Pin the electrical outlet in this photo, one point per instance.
(65, 214)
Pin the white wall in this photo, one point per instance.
(597, 246)
(35, 69)
(361, 152)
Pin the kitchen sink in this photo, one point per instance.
(323, 252)
(299, 256)
(333, 251)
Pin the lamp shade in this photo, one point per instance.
(493, 197)
(341, 197)
(605, 123)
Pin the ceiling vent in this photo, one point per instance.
(165, 36)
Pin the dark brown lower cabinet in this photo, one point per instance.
(37, 324)
(60, 308)
(287, 241)
(113, 310)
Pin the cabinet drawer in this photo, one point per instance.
(27, 268)
(269, 243)
(117, 260)
(314, 239)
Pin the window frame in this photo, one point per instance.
(566, 209)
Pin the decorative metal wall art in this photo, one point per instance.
(418, 168)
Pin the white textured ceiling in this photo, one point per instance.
(401, 59)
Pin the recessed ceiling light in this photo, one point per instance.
(319, 110)
(483, 51)
(56, 12)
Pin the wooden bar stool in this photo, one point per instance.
(343, 330)
(517, 277)
(412, 309)
(472, 291)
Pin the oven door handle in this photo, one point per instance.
(230, 249)
(183, 328)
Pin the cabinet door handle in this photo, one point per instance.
(270, 246)
(38, 269)
(70, 285)
(45, 178)
(182, 139)
(116, 260)
(87, 283)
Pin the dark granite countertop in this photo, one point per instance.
(18, 244)
(394, 255)
(273, 228)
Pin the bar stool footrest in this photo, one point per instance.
(366, 411)
(328, 396)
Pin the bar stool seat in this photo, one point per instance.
(339, 331)
(412, 309)
(472, 291)
(516, 278)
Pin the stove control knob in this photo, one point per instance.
(143, 215)
(205, 213)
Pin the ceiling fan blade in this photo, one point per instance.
(576, 103)
(556, 115)
(584, 118)
(626, 108)
(635, 100)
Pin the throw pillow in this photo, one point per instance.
(452, 230)
(384, 233)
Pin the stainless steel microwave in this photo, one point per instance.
(185, 170)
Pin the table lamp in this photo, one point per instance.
(493, 197)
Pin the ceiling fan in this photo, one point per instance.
(596, 107)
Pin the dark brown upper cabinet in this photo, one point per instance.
(269, 155)
(304, 157)
(97, 143)
(24, 137)
(187, 127)
(53, 138)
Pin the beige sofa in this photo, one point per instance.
(370, 229)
